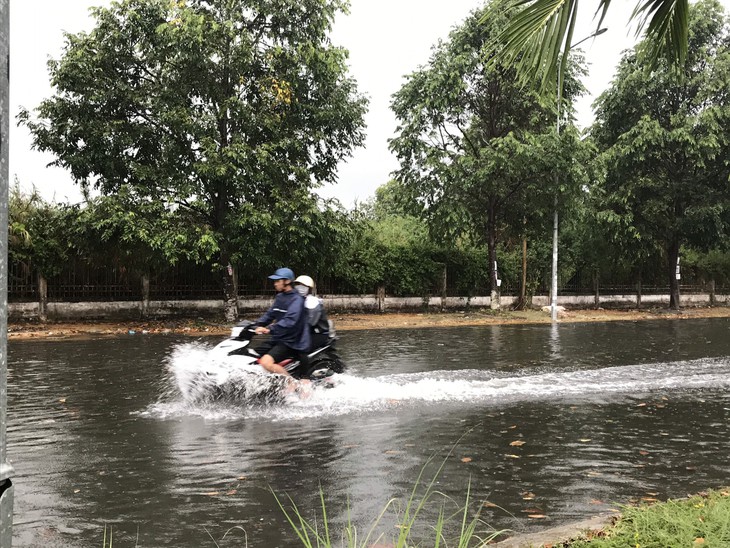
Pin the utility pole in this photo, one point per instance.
(6, 471)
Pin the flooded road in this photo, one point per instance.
(562, 422)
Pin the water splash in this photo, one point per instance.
(355, 394)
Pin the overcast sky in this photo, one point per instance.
(387, 39)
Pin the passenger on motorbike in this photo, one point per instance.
(316, 315)
(286, 322)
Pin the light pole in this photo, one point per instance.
(6, 470)
(554, 272)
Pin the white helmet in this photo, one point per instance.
(305, 280)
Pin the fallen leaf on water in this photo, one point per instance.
(513, 427)
(212, 493)
(241, 478)
(518, 443)
(512, 456)
(643, 453)
(231, 492)
(641, 405)
(62, 400)
(466, 459)
(528, 496)
(77, 490)
(490, 505)
(585, 440)
(652, 494)
(537, 516)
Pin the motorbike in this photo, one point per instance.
(232, 372)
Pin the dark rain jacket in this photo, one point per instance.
(287, 321)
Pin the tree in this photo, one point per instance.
(666, 144)
(228, 110)
(472, 144)
(538, 39)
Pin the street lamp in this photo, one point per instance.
(554, 279)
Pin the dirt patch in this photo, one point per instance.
(348, 322)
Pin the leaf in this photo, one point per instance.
(518, 443)
(585, 440)
(212, 493)
(699, 540)
(466, 459)
(643, 453)
(537, 516)
(528, 496)
(512, 456)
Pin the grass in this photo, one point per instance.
(699, 521)
(461, 527)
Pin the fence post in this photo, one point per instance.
(711, 288)
(443, 289)
(381, 298)
(596, 292)
(145, 295)
(638, 294)
(6, 470)
(42, 298)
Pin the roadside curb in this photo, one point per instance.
(556, 536)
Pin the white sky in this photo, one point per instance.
(387, 39)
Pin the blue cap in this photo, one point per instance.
(282, 274)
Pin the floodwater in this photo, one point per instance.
(608, 412)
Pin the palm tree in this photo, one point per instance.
(538, 39)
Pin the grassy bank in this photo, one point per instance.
(699, 521)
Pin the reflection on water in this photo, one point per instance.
(607, 412)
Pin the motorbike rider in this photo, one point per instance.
(316, 315)
(286, 322)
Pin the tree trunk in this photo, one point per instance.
(711, 289)
(673, 256)
(494, 301)
(42, 298)
(596, 290)
(230, 292)
(522, 303)
(145, 310)
(638, 292)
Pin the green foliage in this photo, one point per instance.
(665, 147)
(39, 233)
(226, 111)
(478, 153)
(539, 37)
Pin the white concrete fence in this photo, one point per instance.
(135, 310)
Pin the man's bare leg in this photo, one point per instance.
(267, 362)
